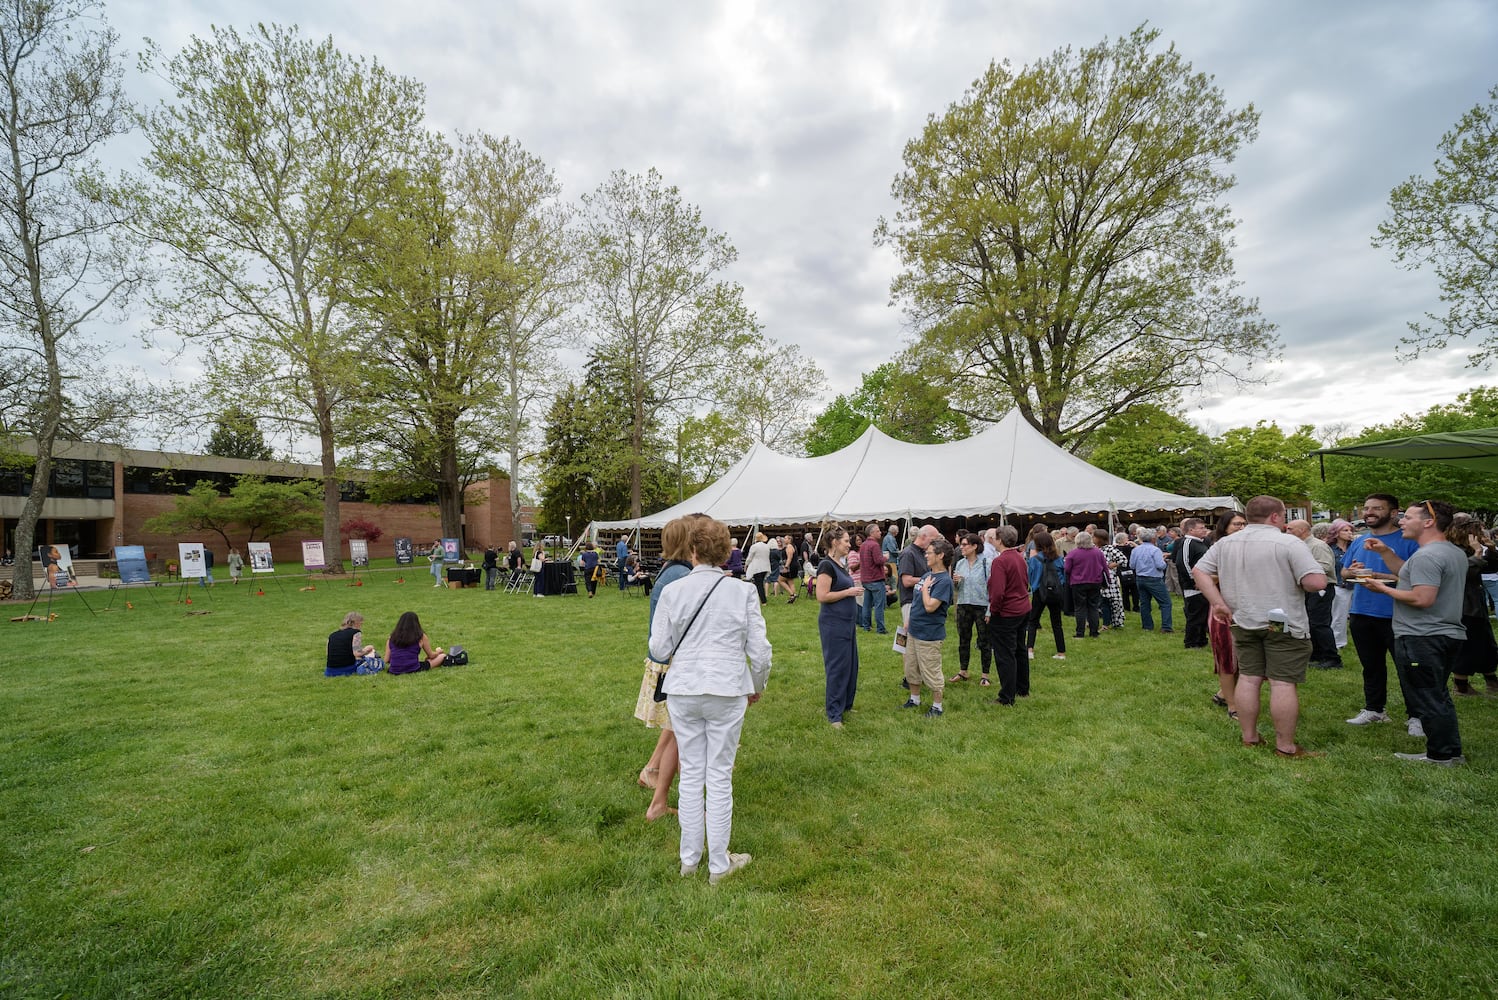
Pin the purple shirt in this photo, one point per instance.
(1085, 565)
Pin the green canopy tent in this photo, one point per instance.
(1475, 449)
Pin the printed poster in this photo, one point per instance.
(261, 561)
(405, 552)
(190, 558)
(312, 557)
(358, 552)
(452, 550)
(131, 562)
(57, 564)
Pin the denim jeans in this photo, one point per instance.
(1153, 587)
(872, 609)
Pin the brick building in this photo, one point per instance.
(101, 496)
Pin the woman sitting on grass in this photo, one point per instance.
(346, 647)
(406, 644)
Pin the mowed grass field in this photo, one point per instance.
(189, 809)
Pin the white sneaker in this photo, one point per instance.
(1059, 656)
(1420, 758)
(1365, 716)
(735, 862)
(1415, 728)
(687, 871)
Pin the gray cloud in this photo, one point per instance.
(785, 122)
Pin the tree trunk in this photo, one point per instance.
(450, 492)
(636, 454)
(332, 555)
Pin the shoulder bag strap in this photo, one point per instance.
(691, 621)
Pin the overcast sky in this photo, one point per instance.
(784, 122)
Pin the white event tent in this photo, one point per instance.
(1008, 469)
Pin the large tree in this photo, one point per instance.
(770, 392)
(236, 434)
(274, 148)
(520, 226)
(1064, 243)
(901, 401)
(1154, 447)
(669, 329)
(1263, 459)
(463, 271)
(1450, 222)
(63, 256)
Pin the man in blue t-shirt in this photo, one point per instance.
(1370, 620)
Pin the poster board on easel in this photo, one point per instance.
(358, 555)
(313, 558)
(405, 551)
(191, 560)
(261, 560)
(57, 565)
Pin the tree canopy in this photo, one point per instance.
(258, 508)
(900, 401)
(236, 434)
(1064, 245)
(275, 147)
(668, 327)
(1449, 222)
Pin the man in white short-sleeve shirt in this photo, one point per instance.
(1256, 579)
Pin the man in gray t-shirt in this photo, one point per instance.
(1428, 632)
(1254, 580)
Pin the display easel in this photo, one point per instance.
(115, 588)
(182, 597)
(51, 616)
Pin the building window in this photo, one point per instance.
(67, 478)
(99, 477)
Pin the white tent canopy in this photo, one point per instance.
(1010, 468)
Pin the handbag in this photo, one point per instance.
(660, 694)
(457, 656)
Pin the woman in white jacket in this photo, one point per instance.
(719, 668)
(757, 564)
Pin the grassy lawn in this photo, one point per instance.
(189, 809)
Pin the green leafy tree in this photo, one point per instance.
(835, 427)
(259, 509)
(274, 149)
(236, 434)
(1262, 459)
(586, 462)
(1154, 447)
(64, 253)
(1349, 480)
(1064, 243)
(769, 393)
(900, 401)
(1449, 222)
(667, 327)
(706, 447)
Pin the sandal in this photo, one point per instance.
(647, 777)
(1299, 752)
(1254, 743)
(1232, 715)
(984, 682)
(1219, 701)
(961, 675)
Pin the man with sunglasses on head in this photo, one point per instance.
(1428, 631)
(1370, 619)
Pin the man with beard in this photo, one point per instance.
(1370, 620)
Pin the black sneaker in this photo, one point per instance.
(912, 703)
(934, 712)
(904, 684)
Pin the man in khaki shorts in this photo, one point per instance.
(1256, 579)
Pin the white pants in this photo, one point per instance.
(707, 740)
(1341, 602)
